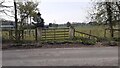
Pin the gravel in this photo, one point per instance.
(65, 45)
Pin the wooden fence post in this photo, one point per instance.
(22, 34)
(45, 35)
(64, 33)
(105, 33)
(90, 34)
(36, 34)
(54, 35)
(71, 32)
(39, 33)
(10, 34)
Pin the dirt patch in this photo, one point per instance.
(10, 46)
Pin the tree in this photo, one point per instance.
(69, 24)
(4, 8)
(93, 23)
(27, 10)
(118, 6)
(50, 24)
(55, 25)
(106, 13)
(39, 20)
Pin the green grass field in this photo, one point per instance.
(95, 30)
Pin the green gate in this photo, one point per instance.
(55, 34)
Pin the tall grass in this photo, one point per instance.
(93, 30)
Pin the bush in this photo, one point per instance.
(88, 41)
(6, 40)
(102, 39)
(116, 39)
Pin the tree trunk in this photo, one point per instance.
(30, 26)
(16, 32)
(30, 20)
(118, 5)
(111, 31)
(109, 14)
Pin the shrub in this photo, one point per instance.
(116, 39)
(88, 41)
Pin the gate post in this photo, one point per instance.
(105, 33)
(71, 32)
(39, 35)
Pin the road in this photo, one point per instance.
(103, 56)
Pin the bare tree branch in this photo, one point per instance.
(2, 2)
(4, 6)
(3, 11)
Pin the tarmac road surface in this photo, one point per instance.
(103, 56)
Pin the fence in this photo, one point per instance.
(116, 32)
(27, 34)
(49, 35)
(81, 35)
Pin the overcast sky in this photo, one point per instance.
(61, 11)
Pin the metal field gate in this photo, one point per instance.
(55, 34)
